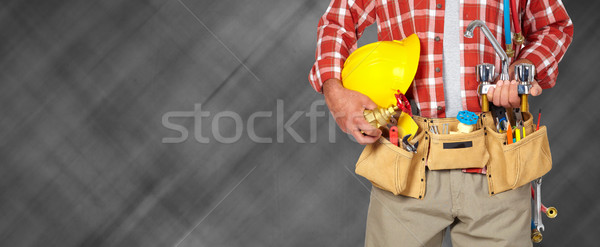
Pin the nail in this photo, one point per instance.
(513, 82)
(500, 83)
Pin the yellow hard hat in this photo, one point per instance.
(378, 70)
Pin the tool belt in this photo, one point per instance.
(509, 166)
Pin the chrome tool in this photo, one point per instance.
(409, 147)
(537, 216)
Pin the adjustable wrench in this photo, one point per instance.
(537, 214)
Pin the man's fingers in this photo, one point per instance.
(505, 94)
(497, 92)
(535, 88)
(513, 93)
(365, 133)
(357, 124)
(369, 130)
(490, 94)
(372, 132)
(363, 139)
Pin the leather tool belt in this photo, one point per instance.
(509, 166)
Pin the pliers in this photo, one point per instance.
(409, 147)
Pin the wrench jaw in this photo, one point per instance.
(540, 227)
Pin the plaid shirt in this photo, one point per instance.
(547, 28)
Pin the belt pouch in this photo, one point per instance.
(394, 169)
(457, 151)
(513, 165)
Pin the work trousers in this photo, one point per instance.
(456, 199)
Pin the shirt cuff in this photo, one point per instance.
(323, 70)
(545, 65)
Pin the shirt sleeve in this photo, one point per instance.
(548, 31)
(337, 33)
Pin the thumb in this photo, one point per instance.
(535, 88)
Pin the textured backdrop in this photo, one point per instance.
(134, 123)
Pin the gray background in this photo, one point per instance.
(84, 86)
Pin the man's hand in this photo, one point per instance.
(347, 107)
(505, 93)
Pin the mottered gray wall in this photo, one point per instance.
(84, 87)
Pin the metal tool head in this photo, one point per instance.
(405, 139)
(409, 147)
(541, 227)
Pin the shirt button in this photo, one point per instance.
(437, 38)
(437, 69)
(439, 5)
(439, 108)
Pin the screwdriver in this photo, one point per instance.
(509, 138)
(394, 135)
(509, 134)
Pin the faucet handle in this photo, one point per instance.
(524, 74)
(485, 73)
(485, 76)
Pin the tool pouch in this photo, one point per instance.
(394, 169)
(457, 151)
(513, 165)
(509, 166)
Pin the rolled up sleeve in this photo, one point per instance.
(338, 31)
(548, 32)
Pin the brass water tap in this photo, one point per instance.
(381, 116)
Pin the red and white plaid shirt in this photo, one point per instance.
(547, 28)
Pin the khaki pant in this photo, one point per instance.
(456, 199)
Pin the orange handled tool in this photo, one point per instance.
(509, 136)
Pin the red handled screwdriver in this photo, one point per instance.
(394, 135)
